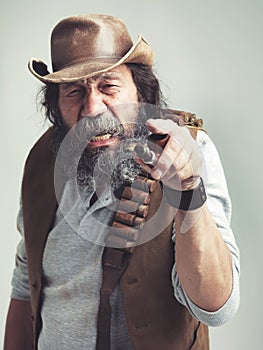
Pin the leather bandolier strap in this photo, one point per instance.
(124, 233)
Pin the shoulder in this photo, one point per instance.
(44, 141)
(41, 154)
(203, 138)
(207, 146)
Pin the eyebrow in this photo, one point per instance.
(65, 86)
(106, 75)
(110, 75)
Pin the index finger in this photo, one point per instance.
(159, 126)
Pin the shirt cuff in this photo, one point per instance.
(222, 315)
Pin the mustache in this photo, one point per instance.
(103, 123)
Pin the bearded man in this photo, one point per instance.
(125, 214)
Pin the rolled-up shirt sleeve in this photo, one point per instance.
(219, 205)
(20, 286)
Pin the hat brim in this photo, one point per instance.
(140, 52)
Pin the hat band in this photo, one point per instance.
(105, 59)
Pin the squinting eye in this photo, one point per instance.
(75, 92)
(110, 88)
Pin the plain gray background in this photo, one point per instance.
(209, 58)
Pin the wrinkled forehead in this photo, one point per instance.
(118, 74)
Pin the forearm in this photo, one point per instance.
(18, 333)
(203, 261)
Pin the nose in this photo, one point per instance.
(94, 103)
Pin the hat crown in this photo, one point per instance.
(88, 38)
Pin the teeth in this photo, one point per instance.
(101, 137)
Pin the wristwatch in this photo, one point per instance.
(186, 200)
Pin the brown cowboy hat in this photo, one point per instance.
(84, 46)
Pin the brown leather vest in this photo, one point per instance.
(155, 319)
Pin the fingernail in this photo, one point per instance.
(156, 174)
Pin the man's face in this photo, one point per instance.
(98, 96)
(104, 116)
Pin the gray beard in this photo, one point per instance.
(102, 167)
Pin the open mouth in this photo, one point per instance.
(103, 139)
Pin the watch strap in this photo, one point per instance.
(186, 200)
